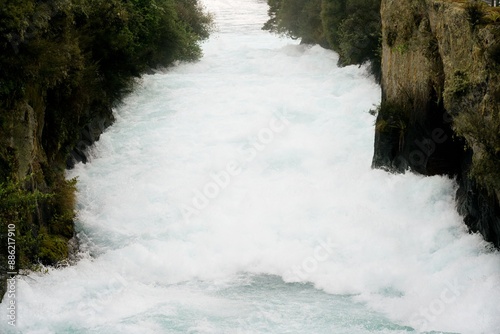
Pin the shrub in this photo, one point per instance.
(392, 118)
(296, 19)
(350, 27)
(18, 206)
(476, 10)
(332, 14)
(71, 61)
(458, 86)
(483, 132)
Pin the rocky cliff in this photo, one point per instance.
(440, 102)
(63, 67)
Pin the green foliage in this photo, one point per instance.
(350, 27)
(71, 61)
(18, 204)
(333, 12)
(358, 33)
(401, 48)
(476, 10)
(458, 85)
(23, 205)
(53, 42)
(77, 56)
(392, 118)
(15, 200)
(272, 24)
(483, 132)
(63, 204)
(492, 16)
(53, 249)
(296, 19)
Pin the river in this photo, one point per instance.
(235, 195)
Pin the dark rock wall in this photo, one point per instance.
(439, 72)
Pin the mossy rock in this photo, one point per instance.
(63, 204)
(53, 249)
(457, 86)
(63, 226)
(392, 117)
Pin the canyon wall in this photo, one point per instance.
(440, 100)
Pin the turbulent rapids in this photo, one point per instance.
(235, 195)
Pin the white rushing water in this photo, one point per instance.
(235, 195)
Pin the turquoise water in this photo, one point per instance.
(235, 195)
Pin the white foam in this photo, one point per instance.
(305, 207)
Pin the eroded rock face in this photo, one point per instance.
(440, 103)
(26, 159)
(89, 134)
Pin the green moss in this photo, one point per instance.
(63, 203)
(28, 246)
(35, 243)
(52, 249)
(458, 85)
(18, 206)
(65, 65)
(393, 119)
(492, 16)
(401, 48)
(482, 132)
(476, 10)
